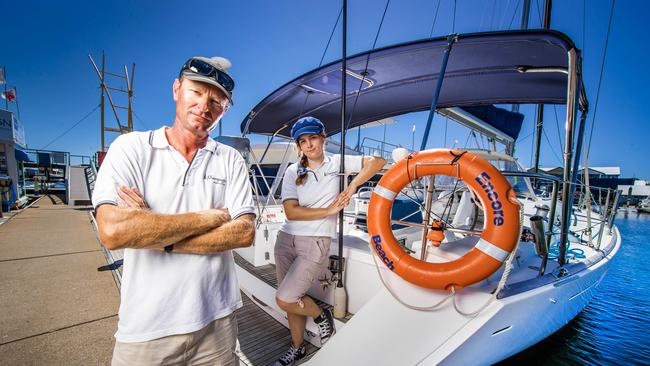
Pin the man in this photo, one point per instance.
(178, 202)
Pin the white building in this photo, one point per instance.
(640, 188)
(12, 136)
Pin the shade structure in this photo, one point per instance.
(505, 121)
(21, 155)
(507, 67)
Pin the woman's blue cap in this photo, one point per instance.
(306, 125)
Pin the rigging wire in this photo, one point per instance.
(505, 15)
(435, 17)
(527, 136)
(467, 140)
(365, 70)
(552, 150)
(70, 129)
(532, 145)
(446, 124)
(483, 16)
(141, 121)
(330, 39)
(584, 29)
(450, 202)
(478, 139)
(494, 7)
(453, 24)
(539, 13)
(514, 14)
(320, 63)
(557, 126)
(600, 78)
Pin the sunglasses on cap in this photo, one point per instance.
(205, 69)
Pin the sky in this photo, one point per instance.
(45, 48)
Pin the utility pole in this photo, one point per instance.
(126, 87)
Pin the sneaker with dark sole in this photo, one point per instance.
(325, 323)
(291, 356)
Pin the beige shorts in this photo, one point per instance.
(215, 344)
(299, 261)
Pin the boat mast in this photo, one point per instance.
(525, 14)
(340, 307)
(540, 107)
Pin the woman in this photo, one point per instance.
(311, 200)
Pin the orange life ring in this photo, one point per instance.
(501, 209)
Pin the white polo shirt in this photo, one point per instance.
(174, 293)
(318, 191)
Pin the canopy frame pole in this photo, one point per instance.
(451, 39)
(539, 127)
(268, 145)
(576, 158)
(567, 190)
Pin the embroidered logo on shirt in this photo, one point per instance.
(216, 180)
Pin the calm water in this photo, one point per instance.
(614, 329)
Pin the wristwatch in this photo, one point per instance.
(169, 248)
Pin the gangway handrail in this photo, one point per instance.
(83, 159)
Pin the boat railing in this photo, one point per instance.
(375, 147)
(555, 181)
(590, 203)
(607, 211)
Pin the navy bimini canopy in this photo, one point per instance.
(483, 69)
(505, 121)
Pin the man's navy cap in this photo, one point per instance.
(306, 125)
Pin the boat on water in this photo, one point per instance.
(644, 205)
(560, 253)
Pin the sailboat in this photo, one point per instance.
(560, 252)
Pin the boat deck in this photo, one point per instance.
(58, 309)
(267, 274)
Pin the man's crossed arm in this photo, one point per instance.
(132, 225)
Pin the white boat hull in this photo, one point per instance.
(386, 332)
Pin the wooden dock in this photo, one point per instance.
(56, 308)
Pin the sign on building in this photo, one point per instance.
(6, 128)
